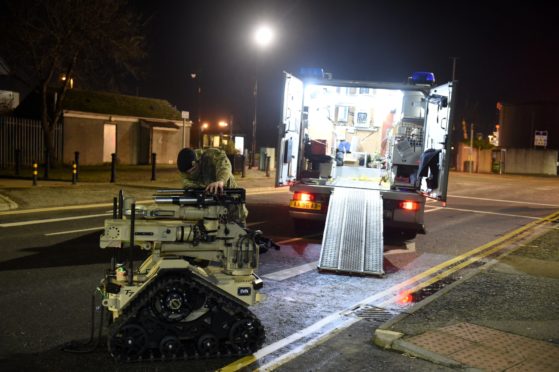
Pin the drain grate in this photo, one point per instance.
(373, 313)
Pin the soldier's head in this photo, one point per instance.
(186, 160)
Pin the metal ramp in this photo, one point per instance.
(352, 240)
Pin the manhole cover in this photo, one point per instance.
(373, 313)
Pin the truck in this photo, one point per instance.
(349, 136)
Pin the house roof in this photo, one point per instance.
(119, 104)
(104, 103)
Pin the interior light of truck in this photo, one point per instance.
(303, 196)
(409, 205)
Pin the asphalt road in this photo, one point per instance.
(50, 264)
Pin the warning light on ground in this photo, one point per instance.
(405, 298)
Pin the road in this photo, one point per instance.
(50, 265)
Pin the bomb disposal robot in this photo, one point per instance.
(189, 298)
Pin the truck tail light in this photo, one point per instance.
(303, 196)
(409, 205)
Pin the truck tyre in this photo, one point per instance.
(401, 234)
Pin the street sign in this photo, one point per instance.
(185, 115)
(540, 138)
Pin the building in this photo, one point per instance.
(98, 124)
(527, 125)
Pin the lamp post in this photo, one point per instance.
(263, 37)
(196, 76)
(202, 127)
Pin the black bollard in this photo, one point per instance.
(115, 207)
(243, 168)
(131, 249)
(113, 168)
(74, 173)
(47, 166)
(153, 161)
(18, 161)
(35, 172)
(120, 204)
(77, 161)
(267, 166)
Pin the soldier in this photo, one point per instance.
(209, 169)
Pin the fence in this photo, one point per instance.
(25, 135)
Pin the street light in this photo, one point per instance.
(196, 76)
(263, 37)
(203, 127)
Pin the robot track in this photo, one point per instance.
(181, 316)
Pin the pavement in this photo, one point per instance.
(500, 316)
(19, 194)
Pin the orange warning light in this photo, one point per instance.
(405, 298)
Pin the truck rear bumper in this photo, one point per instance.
(299, 215)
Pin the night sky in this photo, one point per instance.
(506, 52)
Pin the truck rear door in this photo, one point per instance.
(434, 165)
(290, 131)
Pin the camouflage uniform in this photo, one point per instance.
(213, 166)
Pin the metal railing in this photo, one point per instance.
(24, 138)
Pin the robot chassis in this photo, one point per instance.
(189, 298)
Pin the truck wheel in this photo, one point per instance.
(404, 234)
(301, 226)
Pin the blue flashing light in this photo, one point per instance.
(312, 72)
(423, 78)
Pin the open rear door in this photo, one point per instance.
(435, 160)
(289, 131)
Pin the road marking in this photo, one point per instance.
(491, 213)
(291, 272)
(49, 220)
(74, 231)
(66, 208)
(504, 201)
(102, 205)
(432, 209)
(274, 191)
(489, 248)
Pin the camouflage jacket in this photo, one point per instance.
(213, 165)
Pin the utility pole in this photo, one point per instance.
(253, 160)
(454, 67)
(471, 146)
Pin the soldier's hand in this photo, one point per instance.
(215, 187)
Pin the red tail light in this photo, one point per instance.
(409, 205)
(303, 196)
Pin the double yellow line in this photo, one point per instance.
(436, 273)
(459, 262)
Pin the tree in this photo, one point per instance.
(44, 41)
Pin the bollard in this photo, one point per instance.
(113, 168)
(153, 161)
(131, 251)
(77, 161)
(267, 166)
(35, 172)
(47, 166)
(74, 173)
(115, 207)
(18, 161)
(243, 168)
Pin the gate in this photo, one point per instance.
(25, 135)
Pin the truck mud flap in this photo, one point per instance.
(352, 241)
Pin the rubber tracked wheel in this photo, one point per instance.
(207, 344)
(129, 342)
(171, 347)
(245, 335)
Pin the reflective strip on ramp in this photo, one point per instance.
(352, 240)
